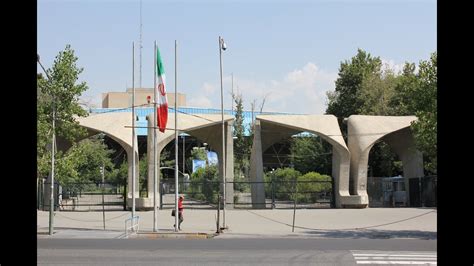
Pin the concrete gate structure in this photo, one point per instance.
(364, 131)
(270, 129)
(207, 128)
(348, 162)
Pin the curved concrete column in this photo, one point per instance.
(365, 131)
(272, 128)
(403, 143)
(257, 190)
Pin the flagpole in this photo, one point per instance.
(155, 220)
(176, 134)
(133, 130)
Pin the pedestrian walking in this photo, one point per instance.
(180, 211)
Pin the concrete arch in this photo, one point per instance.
(364, 131)
(207, 128)
(113, 124)
(271, 128)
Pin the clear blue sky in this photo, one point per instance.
(288, 51)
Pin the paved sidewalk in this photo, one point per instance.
(418, 223)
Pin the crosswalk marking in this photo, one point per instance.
(394, 257)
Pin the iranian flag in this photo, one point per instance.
(160, 95)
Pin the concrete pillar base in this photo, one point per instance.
(354, 201)
(142, 204)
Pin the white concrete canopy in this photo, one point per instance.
(270, 129)
(207, 128)
(113, 125)
(364, 131)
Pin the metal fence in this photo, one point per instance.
(402, 192)
(278, 194)
(82, 196)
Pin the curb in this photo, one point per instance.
(154, 235)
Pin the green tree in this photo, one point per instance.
(376, 93)
(83, 162)
(417, 95)
(242, 143)
(344, 102)
(205, 184)
(311, 154)
(199, 154)
(63, 91)
(383, 162)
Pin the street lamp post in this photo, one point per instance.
(222, 47)
(53, 147)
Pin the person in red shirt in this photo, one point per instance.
(180, 211)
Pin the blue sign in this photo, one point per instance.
(212, 158)
(198, 164)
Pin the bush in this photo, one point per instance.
(311, 185)
(308, 189)
(205, 184)
(283, 183)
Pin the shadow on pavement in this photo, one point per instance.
(374, 234)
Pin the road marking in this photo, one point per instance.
(394, 257)
(396, 262)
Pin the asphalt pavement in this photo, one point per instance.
(369, 223)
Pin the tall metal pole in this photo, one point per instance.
(221, 41)
(184, 151)
(232, 102)
(53, 147)
(133, 130)
(141, 46)
(155, 219)
(103, 191)
(176, 134)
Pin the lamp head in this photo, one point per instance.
(223, 45)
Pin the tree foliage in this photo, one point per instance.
(83, 163)
(205, 184)
(242, 144)
(344, 102)
(311, 154)
(62, 91)
(376, 93)
(418, 96)
(311, 186)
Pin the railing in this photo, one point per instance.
(278, 194)
(134, 226)
(407, 192)
(84, 196)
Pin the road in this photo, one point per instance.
(234, 251)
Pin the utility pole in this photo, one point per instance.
(102, 170)
(133, 130)
(53, 147)
(222, 46)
